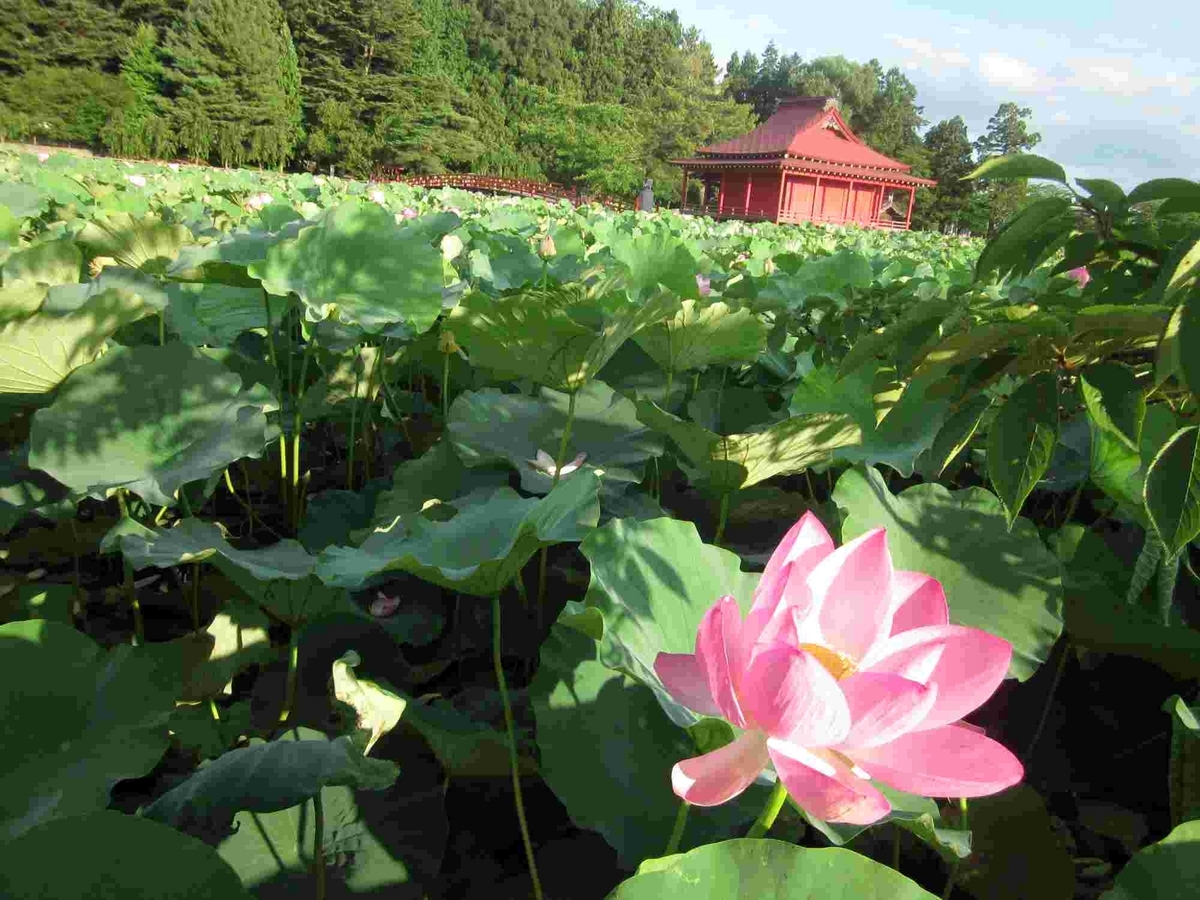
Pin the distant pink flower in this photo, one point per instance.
(408, 213)
(844, 672)
(383, 605)
(42, 157)
(1081, 275)
(136, 180)
(704, 284)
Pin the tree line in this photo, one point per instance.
(596, 93)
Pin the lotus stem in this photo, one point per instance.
(677, 831)
(139, 631)
(895, 847)
(670, 384)
(289, 699)
(445, 389)
(722, 518)
(766, 818)
(297, 425)
(212, 708)
(196, 596)
(162, 328)
(510, 727)
(965, 823)
(353, 430)
(561, 459)
(75, 577)
(319, 843)
(1058, 673)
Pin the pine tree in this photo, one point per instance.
(948, 146)
(1007, 133)
(233, 78)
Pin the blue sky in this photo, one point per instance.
(1114, 87)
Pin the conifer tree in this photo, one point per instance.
(233, 77)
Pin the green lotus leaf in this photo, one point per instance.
(768, 870)
(128, 855)
(149, 419)
(76, 719)
(1006, 583)
(703, 335)
(490, 537)
(653, 581)
(728, 463)
(560, 338)
(358, 266)
(489, 426)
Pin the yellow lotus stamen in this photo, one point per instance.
(836, 664)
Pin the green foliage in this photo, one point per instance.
(232, 77)
(773, 870)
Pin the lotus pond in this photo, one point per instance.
(361, 540)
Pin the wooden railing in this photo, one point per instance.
(495, 184)
(789, 217)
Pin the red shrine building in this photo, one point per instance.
(803, 164)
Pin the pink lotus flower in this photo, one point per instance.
(844, 672)
(408, 213)
(383, 605)
(545, 464)
(1081, 275)
(704, 285)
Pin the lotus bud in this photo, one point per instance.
(446, 342)
(704, 285)
(769, 266)
(408, 213)
(1081, 275)
(546, 248)
(136, 180)
(174, 167)
(377, 197)
(42, 157)
(383, 605)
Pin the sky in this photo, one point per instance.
(1114, 87)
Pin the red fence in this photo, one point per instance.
(787, 217)
(494, 184)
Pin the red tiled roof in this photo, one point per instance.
(808, 127)
(893, 176)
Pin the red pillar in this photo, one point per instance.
(912, 196)
(846, 205)
(749, 185)
(779, 201)
(812, 213)
(721, 195)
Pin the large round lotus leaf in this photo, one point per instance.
(76, 720)
(898, 423)
(1168, 870)
(653, 259)
(113, 855)
(38, 353)
(607, 749)
(767, 870)
(1006, 583)
(727, 463)
(477, 551)
(653, 582)
(560, 338)
(215, 314)
(268, 777)
(149, 419)
(359, 266)
(194, 540)
(703, 335)
(148, 244)
(48, 263)
(489, 426)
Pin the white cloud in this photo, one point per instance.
(1001, 70)
(1193, 129)
(1159, 110)
(1120, 76)
(1060, 117)
(1054, 98)
(924, 55)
